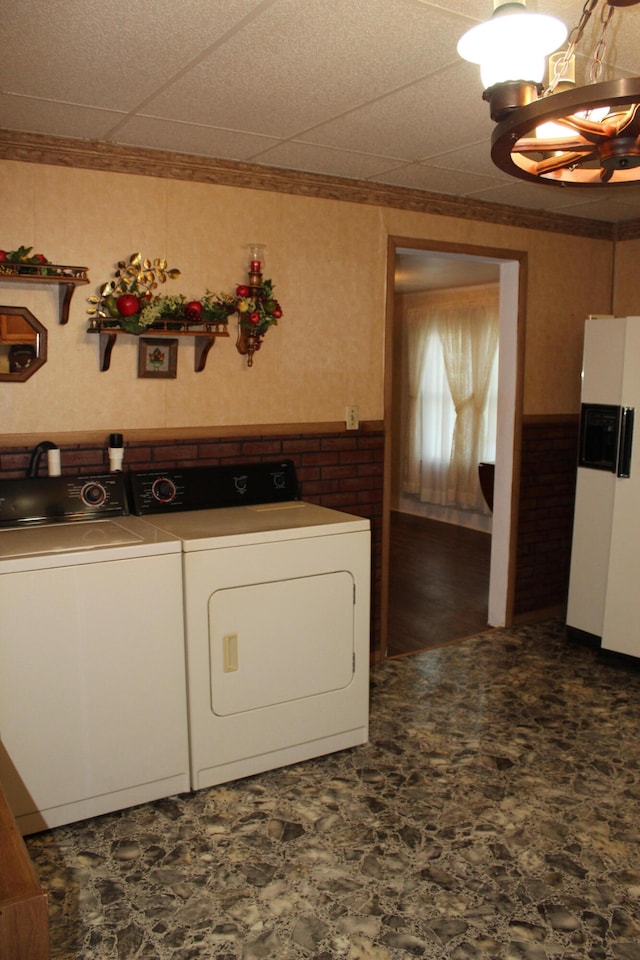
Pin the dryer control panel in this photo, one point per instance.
(205, 488)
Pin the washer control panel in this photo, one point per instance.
(93, 493)
(62, 499)
(204, 488)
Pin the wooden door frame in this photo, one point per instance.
(499, 254)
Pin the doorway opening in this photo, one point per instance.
(464, 569)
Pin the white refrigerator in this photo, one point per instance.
(604, 583)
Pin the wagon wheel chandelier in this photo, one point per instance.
(565, 135)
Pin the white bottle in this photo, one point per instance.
(116, 452)
(53, 462)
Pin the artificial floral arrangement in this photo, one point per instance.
(22, 261)
(257, 308)
(128, 300)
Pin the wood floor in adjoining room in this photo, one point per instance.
(438, 583)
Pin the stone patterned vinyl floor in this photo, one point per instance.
(495, 813)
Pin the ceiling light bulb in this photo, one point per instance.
(552, 131)
(595, 114)
(513, 44)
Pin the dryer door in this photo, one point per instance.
(273, 642)
(277, 652)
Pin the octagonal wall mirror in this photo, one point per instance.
(23, 344)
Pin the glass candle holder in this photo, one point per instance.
(256, 257)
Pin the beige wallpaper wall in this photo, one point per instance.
(328, 262)
(627, 288)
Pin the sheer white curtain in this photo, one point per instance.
(417, 339)
(451, 362)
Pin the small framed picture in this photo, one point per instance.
(157, 358)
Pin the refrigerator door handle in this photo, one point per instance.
(626, 442)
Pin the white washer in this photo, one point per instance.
(93, 711)
(276, 599)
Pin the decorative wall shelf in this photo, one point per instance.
(66, 278)
(203, 339)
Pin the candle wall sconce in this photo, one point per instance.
(255, 305)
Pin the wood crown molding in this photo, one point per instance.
(97, 155)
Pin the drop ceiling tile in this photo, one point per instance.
(109, 54)
(422, 176)
(411, 120)
(472, 158)
(295, 155)
(518, 193)
(605, 206)
(190, 138)
(314, 61)
(621, 45)
(57, 119)
(473, 10)
(571, 201)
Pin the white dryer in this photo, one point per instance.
(276, 599)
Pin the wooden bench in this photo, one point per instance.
(24, 918)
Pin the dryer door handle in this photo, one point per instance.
(230, 652)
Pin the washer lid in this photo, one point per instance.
(54, 538)
(38, 546)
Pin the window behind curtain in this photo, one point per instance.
(434, 324)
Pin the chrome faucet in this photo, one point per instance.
(36, 454)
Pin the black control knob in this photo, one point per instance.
(163, 490)
(93, 494)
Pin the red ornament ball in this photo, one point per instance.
(128, 305)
